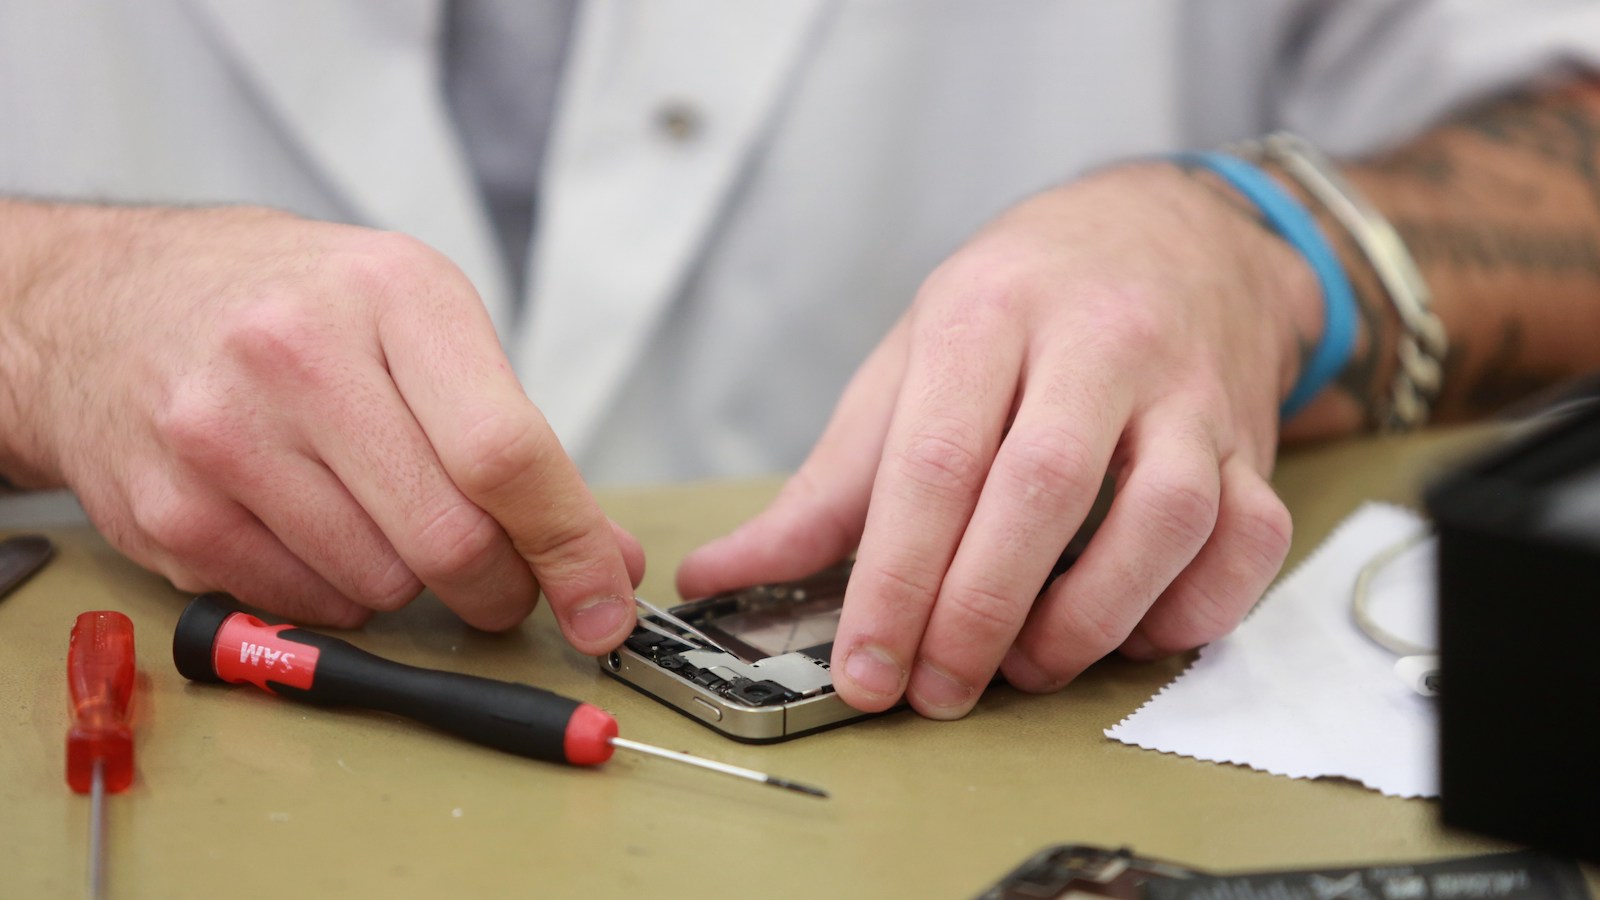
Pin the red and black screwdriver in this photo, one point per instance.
(217, 642)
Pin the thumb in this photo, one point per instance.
(817, 518)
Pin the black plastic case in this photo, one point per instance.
(1519, 637)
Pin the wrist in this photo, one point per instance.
(1300, 280)
(48, 248)
(1288, 278)
(1347, 409)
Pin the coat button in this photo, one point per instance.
(678, 121)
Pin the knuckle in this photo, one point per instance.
(983, 285)
(1199, 615)
(985, 610)
(182, 526)
(499, 451)
(278, 336)
(458, 542)
(1207, 607)
(1056, 465)
(387, 588)
(942, 457)
(201, 429)
(561, 545)
(988, 285)
(1074, 627)
(1205, 617)
(1136, 325)
(1264, 530)
(902, 588)
(387, 264)
(983, 268)
(1095, 628)
(1181, 512)
(1126, 324)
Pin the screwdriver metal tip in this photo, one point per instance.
(797, 787)
(713, 765)
(97, 831)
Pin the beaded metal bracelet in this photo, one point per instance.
(1423, 342)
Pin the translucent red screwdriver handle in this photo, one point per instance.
(100, 674)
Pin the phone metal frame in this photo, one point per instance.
(802, 672)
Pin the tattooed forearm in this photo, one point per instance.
(1500, 208)
(1506, 374)
(1495, 247)
(1558, 127)
(1429, 164)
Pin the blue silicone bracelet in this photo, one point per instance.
(1295, 225)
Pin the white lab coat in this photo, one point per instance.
(739, 196)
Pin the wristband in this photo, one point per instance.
(1423, 343)
(1294, 224)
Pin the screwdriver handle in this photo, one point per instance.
(100, 675)
(215, 641)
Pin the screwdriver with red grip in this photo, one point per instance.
(100, 676)
(215, 641)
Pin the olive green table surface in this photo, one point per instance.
(241, 794)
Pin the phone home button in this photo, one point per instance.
(705, 710)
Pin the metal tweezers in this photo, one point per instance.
(694, 634)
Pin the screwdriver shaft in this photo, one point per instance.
(97, 830)
(724, 768)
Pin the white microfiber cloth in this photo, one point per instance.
(1298, 689)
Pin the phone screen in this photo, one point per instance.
(776, 630)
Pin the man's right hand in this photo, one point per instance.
(315, 418)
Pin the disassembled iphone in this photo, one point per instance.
(752, 663)
(1083, 872)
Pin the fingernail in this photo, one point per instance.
(940, 691)
(599, 618)
(874, 671)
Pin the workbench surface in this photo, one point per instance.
(241, 794)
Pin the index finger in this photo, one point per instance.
(498, 449)
(945, 427)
